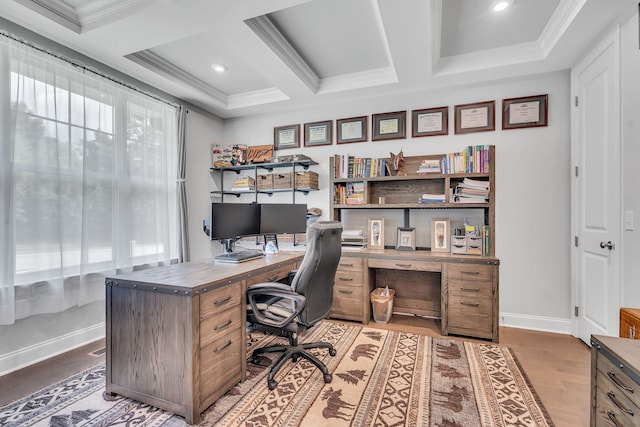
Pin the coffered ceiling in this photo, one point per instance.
(287, 54)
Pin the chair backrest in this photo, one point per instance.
(316, 275)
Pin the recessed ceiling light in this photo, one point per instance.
(499, 6)
(219, 68)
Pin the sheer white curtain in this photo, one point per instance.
(88, 171)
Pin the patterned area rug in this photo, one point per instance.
(380, 378)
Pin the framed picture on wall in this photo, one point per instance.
(430, 122)
(389, 126)
(286, 137)
(440, 235)
(318, 133)
(477, 117)
(353, 129)
(525, 112)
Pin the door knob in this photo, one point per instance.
(607, 245)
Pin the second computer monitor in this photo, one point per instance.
(283, 218)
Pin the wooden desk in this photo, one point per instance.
(460, 290)
(175, 335)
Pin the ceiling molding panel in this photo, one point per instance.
(264, 28)
(163, 67)
(364, 79)
(84, 17)
(561, 20)
(258, 97)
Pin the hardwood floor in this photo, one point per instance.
(557, 365)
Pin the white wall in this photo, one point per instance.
(630, 123)
(532, 188)
(201, 132)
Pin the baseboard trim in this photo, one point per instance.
(536, 323)
(27, 356)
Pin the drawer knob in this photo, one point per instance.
(219, 349)
(224, 325)
(222, 301)
(619, 383)
(619, 404)
(612, 417)
(472, 304)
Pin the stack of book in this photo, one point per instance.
(358, 167)
(431, 198)
(354, 238)
(429, 166)
(244, 183)
(350, 193)
(473, 159)
(471, 191)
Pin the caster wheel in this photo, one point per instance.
(272, 384)
(332, 351)
(328, 378)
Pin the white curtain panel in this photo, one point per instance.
(88, 170)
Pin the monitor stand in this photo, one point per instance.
(230, 256)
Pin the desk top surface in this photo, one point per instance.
(419, 255)
(191, 276)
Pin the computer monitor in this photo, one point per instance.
(232, 220)
(283, 218)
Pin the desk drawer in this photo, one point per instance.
(470, 272)
(471, 317)
(610, 411)
(274, 275)
(350, 264)
(212, 328)
(402, 264)
(618, 380)
(470, 288)
(218, 300)
(221, 364)
(349, 278)
(347, 302)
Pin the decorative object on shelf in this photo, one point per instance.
(525, 112)
(376, 233)
(286, 137)
(406, 240)
(259, 153)
(476, 117)
(239, 154)
(430, 122)
(396, 164)
(389, 126)
(354, 238)
(318, 133)
(291, 158)
(221, 155)
(440, 235)
(353, 129)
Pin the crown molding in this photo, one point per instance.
(561, 19)
(265, 29)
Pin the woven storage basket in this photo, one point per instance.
(307, 179)
(265, 182)
(282, 180)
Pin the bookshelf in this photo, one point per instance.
(404, 192)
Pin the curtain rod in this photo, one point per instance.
(84, 67)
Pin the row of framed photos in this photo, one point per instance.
(517, 113)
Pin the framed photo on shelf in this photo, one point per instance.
(376, 233)
(286, 137)
(430, 122)
(525, 112)
(353, 129)
(389, 126)
(318, 133)
(477, 117)
(406, 240)
(440, 235)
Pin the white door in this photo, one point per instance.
(596, 191)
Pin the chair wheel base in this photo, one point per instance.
(272, 384)
(332, 351)
(328, 378)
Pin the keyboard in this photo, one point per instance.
(239, 256)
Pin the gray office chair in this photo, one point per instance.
(287, 310)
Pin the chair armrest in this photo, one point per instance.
(277, 291)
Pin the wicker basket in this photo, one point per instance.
(265, 182)
(307, 179)
(282, 180)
